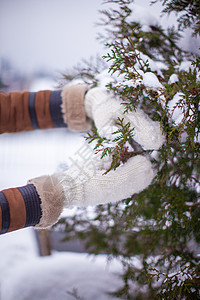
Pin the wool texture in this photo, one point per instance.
(88, 185)
(85, 185)
(105, 110)
(73, 107)
(52, 199)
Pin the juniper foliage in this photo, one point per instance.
(190, 12)
(159, 227)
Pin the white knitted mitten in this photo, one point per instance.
(104, 110)
(86, 185)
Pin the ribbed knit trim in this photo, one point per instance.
(55, 103)
(19, 207)
(32, 204)
(5, 214)
(32, 112)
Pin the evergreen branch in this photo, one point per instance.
(158, 223)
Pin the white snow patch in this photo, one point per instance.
(56, 276)
(150, 80)
(175, 112)
(155, 66)
(16, 247)
(173, 78)
(186, 66)
(142, 15)
(104, 78)
(24, 275)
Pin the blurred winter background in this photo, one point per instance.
(40, 40)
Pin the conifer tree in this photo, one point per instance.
(159, 227)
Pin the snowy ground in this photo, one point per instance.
(63, 275)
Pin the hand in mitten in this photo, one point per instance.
(41, 202)
(86, 185)
(101, 107)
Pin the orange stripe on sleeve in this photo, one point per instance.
(17, 208)
(0, 219)
(14, 112)
(42, 109)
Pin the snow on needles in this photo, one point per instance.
(150, 80)
(176, 112)
(141, 15)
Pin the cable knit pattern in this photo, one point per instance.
(131, 178)
(85, 186)
(105, 110)
(91, 187)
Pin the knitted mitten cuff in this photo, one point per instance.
(51, 196)
(73, 107)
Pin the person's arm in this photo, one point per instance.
(19, 208)
(23, 111)
(41, 201)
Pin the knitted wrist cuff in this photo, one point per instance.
(51, 196)
(73, 107)
(45, 109)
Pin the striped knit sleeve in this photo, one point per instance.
(23, 111)
(19, 207)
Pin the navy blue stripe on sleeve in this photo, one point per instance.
(32, 203)
(55, 102)
(32, 112)
(5, 213)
